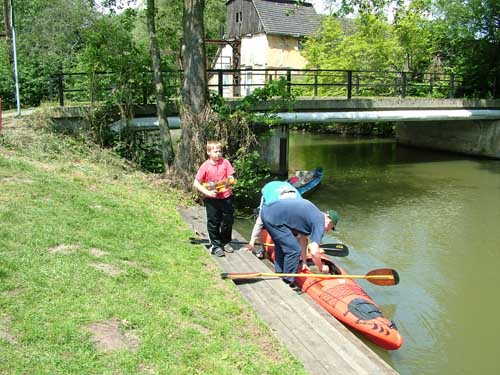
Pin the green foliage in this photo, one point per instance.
(466, 33)
(251, 171)
(459, 36)
(110, 47)
(143, 149)
(232, 126)
(364, 7)
(372, 47)
(412, 27)
(72, 35)
(169, 27)
(6, 83)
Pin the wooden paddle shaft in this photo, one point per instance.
(319, 276)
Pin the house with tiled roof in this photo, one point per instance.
(263, 34)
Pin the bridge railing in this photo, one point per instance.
(340, 83)
(300, 82)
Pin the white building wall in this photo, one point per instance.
(254, 51)
(258, 51)
(253, 56)
(224, 61)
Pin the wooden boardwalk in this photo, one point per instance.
(317, 339)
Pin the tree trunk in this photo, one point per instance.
(195, 105)
(161, 102)
(8, 30)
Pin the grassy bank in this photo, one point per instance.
(97, 275)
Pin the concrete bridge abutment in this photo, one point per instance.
(471, 137)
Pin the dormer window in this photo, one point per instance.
(239, 16)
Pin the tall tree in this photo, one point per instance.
(371, 46)
(468, 33)
(8, 33)
(196, 110)
(161, 101)
(412, 26)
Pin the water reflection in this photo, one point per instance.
(434, 217)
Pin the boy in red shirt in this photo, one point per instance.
(214, 179)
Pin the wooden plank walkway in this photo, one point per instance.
(317, 339)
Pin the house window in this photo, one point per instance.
(301, 44)
(239, 16)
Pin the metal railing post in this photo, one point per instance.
(404, 82)
(60, 88)
(349, 84)
(289, 80)
(51, 88)
(452, 86)
(220, 86)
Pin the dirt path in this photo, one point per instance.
(10, 119)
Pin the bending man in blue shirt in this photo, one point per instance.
(285, 218)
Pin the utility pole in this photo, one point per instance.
(10, 35)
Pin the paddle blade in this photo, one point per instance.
(383, 277)
(335, 249)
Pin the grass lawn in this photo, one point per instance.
(97, 275)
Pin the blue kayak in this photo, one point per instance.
(306, 181)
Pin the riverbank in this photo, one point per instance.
(96, 275)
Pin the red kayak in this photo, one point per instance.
(347, 302)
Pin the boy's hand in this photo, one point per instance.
(211, 193)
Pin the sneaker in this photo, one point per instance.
(228, 248)
(260, 253)
(218, 252)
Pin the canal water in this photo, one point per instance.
(435, 218)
